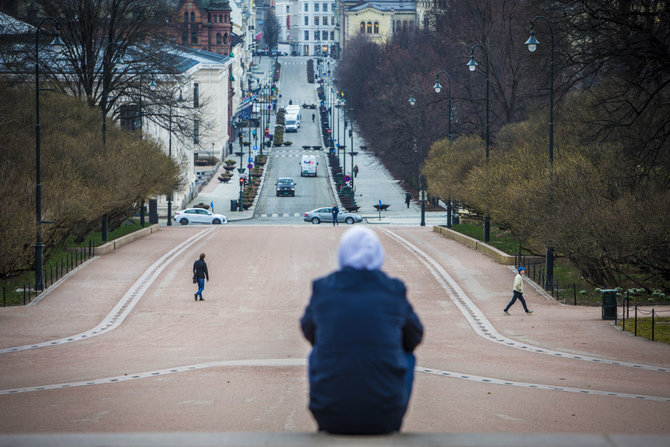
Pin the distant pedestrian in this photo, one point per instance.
(518, 291)
(355, 171)
(408, 199)
(335, 211)
(199, 275)
(290, 102)
(313, 116)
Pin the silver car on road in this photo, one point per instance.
(198, 215)
(325, 215)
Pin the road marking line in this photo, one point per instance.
(483, 327)
(273, 363)
(123, 307)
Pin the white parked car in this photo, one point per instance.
(198, 216)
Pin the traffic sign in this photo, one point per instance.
(255, 147)
(347, 179)
(250, 166)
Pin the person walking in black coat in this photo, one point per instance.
(363, 332)
(408, 199)
(200, 274)
(335, 211)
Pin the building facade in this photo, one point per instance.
(313, 27)
(377, 20)
(203, 24)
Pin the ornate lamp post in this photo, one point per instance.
(472, 65)
(532, 43)
(57, 44)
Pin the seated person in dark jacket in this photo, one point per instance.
(363, 331)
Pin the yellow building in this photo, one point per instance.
(377, 20)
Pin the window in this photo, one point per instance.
(316, 20)
(332, 7)
(287, 11)
(225, 39)
(184, 38)
(306, 20)
(196, 131)
(306, 7)
(186, 17)
(376, 27)
(332, 35)
(362, 27)
(192, 16)
(316, 7)
(325, 7)
(194, 38)
(306, 35)
(216, 18)
(317, 50)
(397, 26)
(221, 18)
(369, 28)
(209, 17)
(196, 94)
(324, 35)
(317, 33)
(218, 38)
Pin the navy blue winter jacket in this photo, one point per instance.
(362, 329)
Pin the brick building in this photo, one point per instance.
(203, 25)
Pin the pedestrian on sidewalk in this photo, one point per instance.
(518, 292)
(408, 199)
(200, 273)
(313, 116)
(335, 211)
(361, 367)
(355, 171)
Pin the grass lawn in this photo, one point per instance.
(661, 327)
(18, 289)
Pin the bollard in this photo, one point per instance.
(636, 319)
(574, 292)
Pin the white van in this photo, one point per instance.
(294, 110)
(308, 165)
(291, 123)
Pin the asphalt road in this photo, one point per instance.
(311, 192)
(122, 346)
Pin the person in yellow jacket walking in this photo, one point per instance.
(518, 292)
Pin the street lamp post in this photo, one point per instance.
(422, 193)
(438, 88)
(179, 101)
(532, 43)
(56, 45)
(472, 65)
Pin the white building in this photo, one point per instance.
(207, 84)
(313, 27)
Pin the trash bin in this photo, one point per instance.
(609, 304)
(233, 205)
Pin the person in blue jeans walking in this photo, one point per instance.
(363, 333)
(518, 292)
(200, 274)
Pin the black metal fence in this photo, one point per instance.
(51, 273)
(640, 313)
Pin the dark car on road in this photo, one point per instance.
(285, 187)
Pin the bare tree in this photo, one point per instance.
(271, 29)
